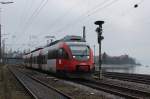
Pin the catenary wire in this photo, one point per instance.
(87, 15)
(34, 15)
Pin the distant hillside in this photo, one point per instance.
(122, 59)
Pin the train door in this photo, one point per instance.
(63, 60)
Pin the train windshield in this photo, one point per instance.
(80, 52)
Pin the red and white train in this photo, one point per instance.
(70, 55)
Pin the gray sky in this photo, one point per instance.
(126, 29)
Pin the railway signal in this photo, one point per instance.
(100, 38)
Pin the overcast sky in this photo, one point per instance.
(126, 29)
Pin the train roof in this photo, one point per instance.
(68, 38)
(33, 50)
(72, 38)
(36, 49)
(77, 43)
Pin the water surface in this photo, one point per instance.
(126, 69)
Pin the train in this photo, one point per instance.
(70, 55)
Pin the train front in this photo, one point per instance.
(81, 59)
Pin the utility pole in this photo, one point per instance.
(100, 38)
(94, 55)
(84, 34)
(0, 45)
(1, 31)
(3, 51)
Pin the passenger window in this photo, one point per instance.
(60, 52)
(49, 55)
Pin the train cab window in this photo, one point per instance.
(80, 52)
(62, 54)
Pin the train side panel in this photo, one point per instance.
(51, 65)
(61, 58)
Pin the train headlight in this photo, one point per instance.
(74, 56)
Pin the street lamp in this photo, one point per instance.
(0, 32)
(100, 38)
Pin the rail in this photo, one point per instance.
(116, 89)
(37, 88)
(138, 78)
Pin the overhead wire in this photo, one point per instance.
(24, 16)
(30, 17)
(93, 8)
(24, 13)
(79, 19)
(87, 14)
(105, 6)
(60, 18)
(36, 12)
(27, 6)
(34, 15)
(21, 18)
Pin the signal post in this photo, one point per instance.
(100, 38)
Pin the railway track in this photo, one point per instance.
(116, 89)
(37, 88)
(138, 78)
(129, 93)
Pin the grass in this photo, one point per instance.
(10, 88)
